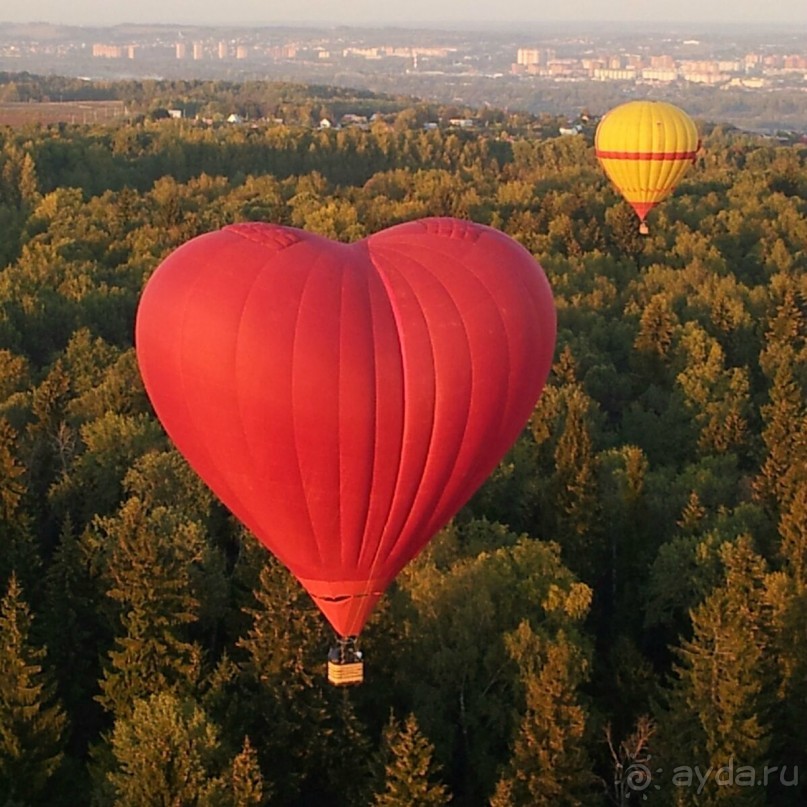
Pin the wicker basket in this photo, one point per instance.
(345, 673)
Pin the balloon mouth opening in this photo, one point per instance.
(345, 597)
(340, 590)
(346, 604)
(642, 209)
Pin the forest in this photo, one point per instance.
(618, 616)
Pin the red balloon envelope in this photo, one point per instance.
(345, 400)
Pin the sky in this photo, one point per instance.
(401, 12)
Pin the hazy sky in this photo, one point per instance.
(402, 12)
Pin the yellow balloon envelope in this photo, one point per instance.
(645, 147)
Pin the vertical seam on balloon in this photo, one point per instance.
(236, 343)
(658, 144)
(306, 283)
(357, 602)
(468, 347)
(376, 399)
(629, 173)
(648, 169)
(666, 167)
(341, 532)
(449, 256)
(509, 341)
(399, 332)
(200, 433)
(281, 240)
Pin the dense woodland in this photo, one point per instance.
(626, 594)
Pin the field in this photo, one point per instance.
(21, 113)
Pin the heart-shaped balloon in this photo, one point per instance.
(345, 400)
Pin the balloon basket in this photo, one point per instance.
(643, 229)
(345, 666)
(344, 674)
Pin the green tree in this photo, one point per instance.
(622, 502)
(784, 362)
(785, 438)
(166, 752)
(717, 395)
(74, 630)
(92, 482)
(48, 435)
(409, 768)
(20, 555)
(32, 722)
(574, 485)
(719, 706)
(148, 571)
(659, 327)
(307, 732)
(246, 780)
(549, 763)
(455, 665)
(787, 594)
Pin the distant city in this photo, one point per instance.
(499, 67)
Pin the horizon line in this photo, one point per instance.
(420, 24)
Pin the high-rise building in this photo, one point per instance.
(528, 56)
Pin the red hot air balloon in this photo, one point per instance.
(344, 401)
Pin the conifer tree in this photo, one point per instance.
(48, 404)
(692, 515)
(793, 537)
(32, 723)
(20, 553)
(784, 362)
(456, 664)
(166, 751)
(787, 595)
(575, 484)
(658, 326)
(29, 184)
(74, 630)
(719, 706)
(549, 763)
(785, 437)
(410, 772)
(307, 732)
(623, 503)
(717, 395)
(246, 780)
(12, 486)
(148, 572)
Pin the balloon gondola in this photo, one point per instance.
(345, 665)
(645, 148)
(345, 400)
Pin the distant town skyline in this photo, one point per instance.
(413, 12)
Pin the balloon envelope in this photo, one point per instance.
(344, 401)
(645, 147)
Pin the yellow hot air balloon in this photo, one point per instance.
(645, 147)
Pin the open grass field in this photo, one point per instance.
(21, 113)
